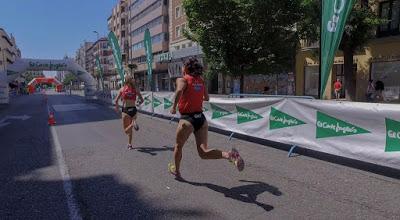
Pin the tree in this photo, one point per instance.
(69, 78)
(31, 75)
(241, 37)
(360, 28)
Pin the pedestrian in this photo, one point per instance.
(338, 88)
(379, 88)
(189, 96)
(128, 93)
(370, 91)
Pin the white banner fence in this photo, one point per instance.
(367, 132)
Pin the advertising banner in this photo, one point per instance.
(117, 54)
(147, 104)
(163, 102)
(149, 57)
(334, 16)
(363, 131)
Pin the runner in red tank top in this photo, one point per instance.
(128, 94)
(189, 96)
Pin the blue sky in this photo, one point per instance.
(53, 28)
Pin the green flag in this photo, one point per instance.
(246, 115)
(392, 135)
(100, 68)
(149, 56)
(117, 54)
(328, 126)
(334, 16)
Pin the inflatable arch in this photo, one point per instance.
(22, 65)
(48, 80)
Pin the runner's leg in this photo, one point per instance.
(202, 145)
(182, 134)
(127, 120)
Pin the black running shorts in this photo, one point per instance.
(131, 111)
(196, 119)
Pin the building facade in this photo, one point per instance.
(9, 51)
(81, 57)
(118, 23)
(152, 15)
(101, 49)
(378, 60)
(180, 48)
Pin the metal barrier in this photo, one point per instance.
(245, 95)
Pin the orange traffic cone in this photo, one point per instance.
(51, 119)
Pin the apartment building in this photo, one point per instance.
(101, 49)
(8, 49)
(81, 57)
(152, 15)
(379, 60)
(118, 23)
(180, 48)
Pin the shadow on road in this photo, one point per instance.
(153, 150)
(245, 193)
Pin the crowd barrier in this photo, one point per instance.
(367, 132)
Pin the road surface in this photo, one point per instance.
(81, 169)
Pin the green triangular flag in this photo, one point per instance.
(146, 100)
(156, 102)
(218, 112)
(328, 126)
(279, 119)
(392, 135)
(167, 103)
(245, 115)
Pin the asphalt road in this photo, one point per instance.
(110, 182)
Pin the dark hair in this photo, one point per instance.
(193, 67)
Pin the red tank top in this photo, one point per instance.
(191, 100)
(128, 93)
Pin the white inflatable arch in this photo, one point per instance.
(22, 65)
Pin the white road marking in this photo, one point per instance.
(73, 208)
(3, 124)
(8, 117)
(73, 107)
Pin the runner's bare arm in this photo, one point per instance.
(206, 95)
(117, 100)
(180, 87)
(140, 96)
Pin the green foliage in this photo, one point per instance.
(31, 75)
(69, 78)
(359, 29)
(244, 36)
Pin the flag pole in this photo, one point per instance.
(320, 94)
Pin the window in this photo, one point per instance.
(311, 78)
(390, 11)
(177, 47)
(183, 46)
(178, 12)
(388, 73)
(154, 40)
(145, 12)
(177, 31)
(190, 44)
(149, 25)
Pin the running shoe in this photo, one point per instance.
(135, 126)
(130, 147)
(172, 170)
(236, 159)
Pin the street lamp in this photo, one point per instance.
(97, 34)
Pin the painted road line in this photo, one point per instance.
(73, 208)
(73, 107)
